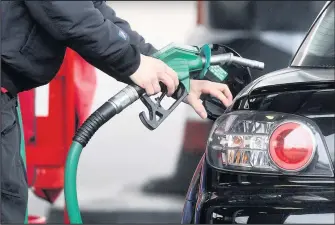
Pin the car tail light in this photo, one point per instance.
(292, 146)
(270, 143)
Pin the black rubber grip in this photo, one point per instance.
(88, 129)
(93, 123)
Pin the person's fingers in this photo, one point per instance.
(149, 89)
(173, 75)
(167, 80)
(156, 86)
(197, 106)
(219, 95)
(219, 91)
(225, 89)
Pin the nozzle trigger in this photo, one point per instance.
(156, 110)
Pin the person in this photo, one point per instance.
(34, 37)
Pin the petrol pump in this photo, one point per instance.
(62, 105)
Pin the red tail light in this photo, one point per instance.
(292, 146)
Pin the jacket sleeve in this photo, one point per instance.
(135, 38)
(82, 27)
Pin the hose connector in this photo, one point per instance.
(124, 98)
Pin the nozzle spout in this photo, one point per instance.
(229, 58)
(248, 63)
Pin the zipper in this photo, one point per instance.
(8, 129)
(9, 193)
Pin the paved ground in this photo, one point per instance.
(124, 154)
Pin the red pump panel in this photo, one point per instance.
(48, 137)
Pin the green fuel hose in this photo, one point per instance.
(109, 109)
(70, 188)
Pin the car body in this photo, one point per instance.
(234, 185)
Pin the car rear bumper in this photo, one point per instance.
(277, 209)
(262, 204)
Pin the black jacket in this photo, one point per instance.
(35, 35)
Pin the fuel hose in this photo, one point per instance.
(108, 110)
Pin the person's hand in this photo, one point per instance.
(152, 71)
(198, 87)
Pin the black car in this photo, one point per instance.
(270, 155)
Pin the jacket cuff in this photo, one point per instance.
(128, 63)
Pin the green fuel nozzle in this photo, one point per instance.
(189, 62)
(184, 60)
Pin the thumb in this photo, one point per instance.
(197, 106)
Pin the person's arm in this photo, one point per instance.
(135, 38)
(83, 28)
